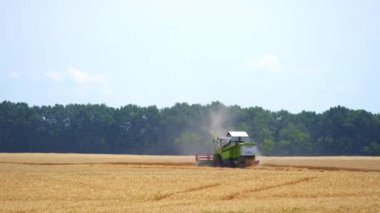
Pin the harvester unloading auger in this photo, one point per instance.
(236, 149)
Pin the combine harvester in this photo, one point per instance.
(235, 149)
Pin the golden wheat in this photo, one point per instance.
(341, 162)
(87, 183)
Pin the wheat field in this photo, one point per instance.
(133, 183)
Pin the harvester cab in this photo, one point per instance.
(236, 149)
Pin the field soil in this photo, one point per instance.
(136, 183)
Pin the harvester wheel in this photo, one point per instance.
(218, 161)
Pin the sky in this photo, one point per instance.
(294, 55)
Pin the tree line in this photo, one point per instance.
(184, 129)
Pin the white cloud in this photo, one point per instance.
(79, 86)
(55, 76)
(351, 89)
(13, 75)
(82, 77)
(267, 62)
(77, 76)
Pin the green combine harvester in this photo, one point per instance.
(236, 149)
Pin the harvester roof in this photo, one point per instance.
(237, 134)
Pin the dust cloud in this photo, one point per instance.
(198, 138)
(220, 122)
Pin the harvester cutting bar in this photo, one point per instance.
(204, 159)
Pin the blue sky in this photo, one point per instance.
(294, 55)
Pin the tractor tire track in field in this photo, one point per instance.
(104, 163)
(192, 189)
(333, 195)
(293, 182)
(321, 168)
(189, 165)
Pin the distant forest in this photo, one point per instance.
(184, 129)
